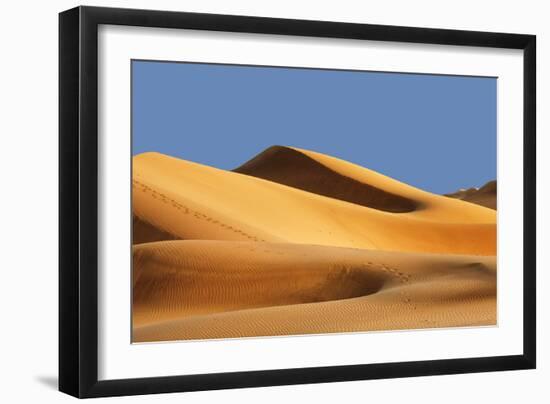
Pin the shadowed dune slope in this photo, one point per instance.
(143, 232)
(191, 289)
(296, 169)
(484, 196)
(339, 179)
(187, 200)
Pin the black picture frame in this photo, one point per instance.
(78, 201)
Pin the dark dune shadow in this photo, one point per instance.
(287, 166)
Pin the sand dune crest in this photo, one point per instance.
(294, 168)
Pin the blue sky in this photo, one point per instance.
(434, 132)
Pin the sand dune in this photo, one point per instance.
(220, 289)
(191, 201)
(297, 169)
(297, 242)
(484, 196)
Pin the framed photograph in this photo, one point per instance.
(251, 201)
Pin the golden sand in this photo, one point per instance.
(296, 242)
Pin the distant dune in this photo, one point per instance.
(297, 242)
(484, 196)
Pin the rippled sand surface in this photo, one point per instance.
(296, 242)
